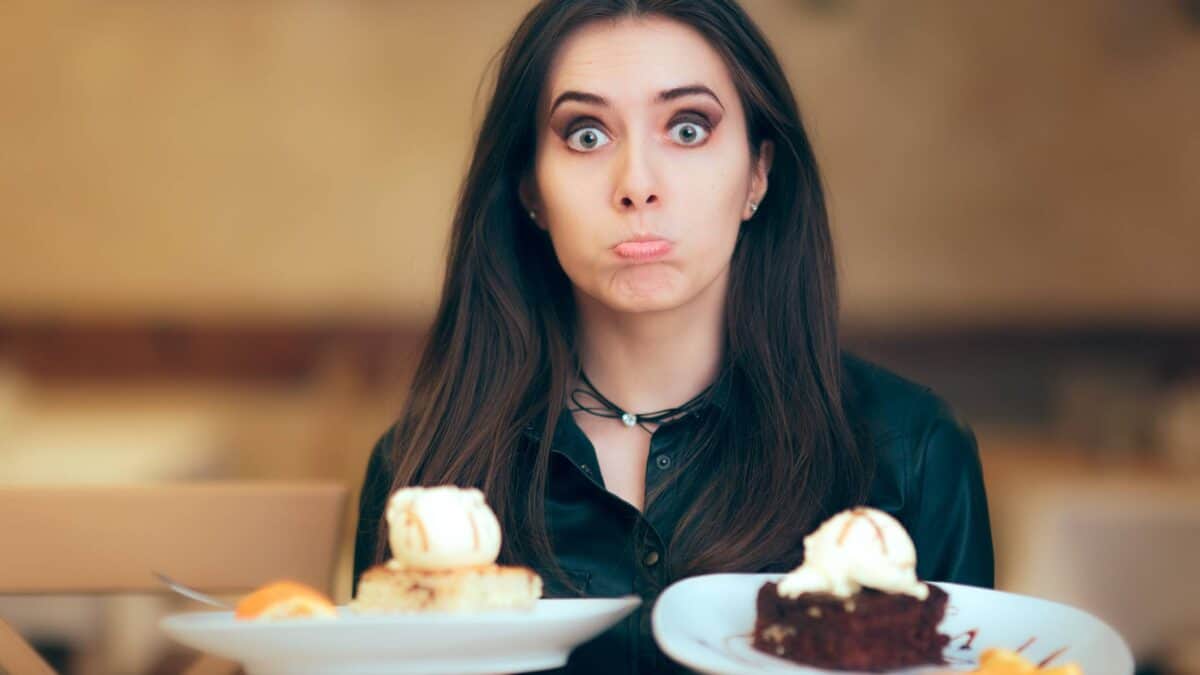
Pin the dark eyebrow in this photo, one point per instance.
(663, 96)
(582, 97)
(690, 90)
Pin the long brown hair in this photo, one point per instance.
(501, 350)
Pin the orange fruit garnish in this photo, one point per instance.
(285, 600)
(1006, 662)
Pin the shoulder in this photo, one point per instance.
(914, 434)
(377, 483)
(372, 501)
(381, 457)
(890, 407)
(927, 471)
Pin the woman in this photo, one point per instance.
(636, 353)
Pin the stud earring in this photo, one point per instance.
(532, 214)
(753, 208)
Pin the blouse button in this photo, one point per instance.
(651, 559)
(663, 462)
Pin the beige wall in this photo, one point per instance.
(986, 161)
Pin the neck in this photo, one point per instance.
(650, 361)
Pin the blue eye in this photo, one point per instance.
(587, 139)
(688, 133)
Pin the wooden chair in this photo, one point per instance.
(221, 538)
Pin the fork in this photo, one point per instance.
(191, 592)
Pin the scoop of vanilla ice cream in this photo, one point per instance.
(441, 528)
(855, 548)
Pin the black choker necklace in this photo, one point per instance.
(611, 410)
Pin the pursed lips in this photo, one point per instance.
(643, 248)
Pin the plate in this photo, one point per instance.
(705, 623)
(426, 644)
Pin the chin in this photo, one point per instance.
(645, 305)
(643, 300)
(642, 289)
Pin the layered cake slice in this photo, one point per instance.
(396, 589)
(444, 543)
(855, 603)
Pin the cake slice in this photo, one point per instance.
(863, 632)
(392, 588)
(856, 602)
(445, 541)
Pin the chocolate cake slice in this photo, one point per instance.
(871, 630)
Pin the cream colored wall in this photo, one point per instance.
(1019, 160)
(985, 161)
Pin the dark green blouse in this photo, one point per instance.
(927, 475)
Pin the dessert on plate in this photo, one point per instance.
(444, 543)
(855, 603)
(1008, 662)
(284, 600)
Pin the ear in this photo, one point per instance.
(758, 176)
(527, 193)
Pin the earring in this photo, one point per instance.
(753, 208)
(532, 214)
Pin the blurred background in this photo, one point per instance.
(223, 226)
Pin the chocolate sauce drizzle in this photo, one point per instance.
(971, 635)
(1046, 661)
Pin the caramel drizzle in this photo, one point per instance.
(1046, 661)
(854, 516)
(1026, 645)
(414, 521)
(474, 530)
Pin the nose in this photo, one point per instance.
(637, 185)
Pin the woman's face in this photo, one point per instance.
(643, 170)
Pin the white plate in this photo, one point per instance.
(705, 623)
(483, 643)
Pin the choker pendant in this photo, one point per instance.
(629, 419)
